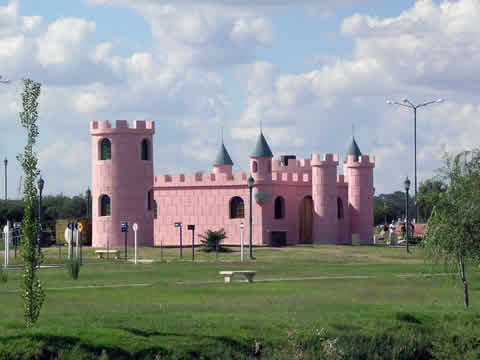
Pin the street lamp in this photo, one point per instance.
(40, 184)
(407, 187)
(250, 183)
(409, 104)
(6, 163)
(242, 227)
(89, 199)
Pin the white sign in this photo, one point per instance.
(135, 227)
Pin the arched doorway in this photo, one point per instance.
(305, 220)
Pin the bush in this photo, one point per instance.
(73, 268)
(3, 275)
(211, 240)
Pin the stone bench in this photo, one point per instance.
(101, 253)
(249, 275)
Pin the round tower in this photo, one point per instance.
(358, 172)
(261, 162)
(223, 162)
(122, 180)
(324, 195)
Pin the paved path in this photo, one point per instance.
(90, 287)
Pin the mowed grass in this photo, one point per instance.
(184, 309)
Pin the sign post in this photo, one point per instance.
(135, 229)
(192, 227)
(242, 227)
(124, 229)
(6, 234)
(79, 240)
(180, 225)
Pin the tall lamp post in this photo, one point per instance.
(407, 187)
(6, 163)
(411, 105)
(250, 183)
(89, 199)
(40, 184)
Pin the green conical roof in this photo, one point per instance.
(222, 157)
(262, 149)
(354, 150)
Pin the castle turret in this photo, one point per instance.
(261, 161)
(358, 171)
(122, 180)
(223, 162)
(324, 195)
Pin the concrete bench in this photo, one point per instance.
(249, 275)
(101, 253)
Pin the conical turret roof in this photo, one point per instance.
(261, 148)
(223, 158)
(354, 150)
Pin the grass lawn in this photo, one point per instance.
(180, 309)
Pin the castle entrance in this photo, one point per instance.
(305, 212)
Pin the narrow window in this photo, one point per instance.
(149, 200)
(105, 150)
(104, 206)
(155, 209)
(237, 208)
(254, 167)
(145, 150)
(279, 208)
(339, 208)
(269, 166)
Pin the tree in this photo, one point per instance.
(33, 295)
(211, 240)
(428, 194)
(453, 229)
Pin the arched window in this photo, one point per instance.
(104, 206)
(105, 149)
(339, 208)
(254, 167)
(155, 209)
(279, 208)
(145, 150)
(237, 208)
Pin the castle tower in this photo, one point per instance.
(261, 161)
(358, 171)
(223, 162)
(122, 180)
(324, 195)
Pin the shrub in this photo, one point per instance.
(73, 268)
(211, 240)
(3, 275)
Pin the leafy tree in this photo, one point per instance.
(453, 229)
(390, 207)
(33, 295)
(428, 194)
(211, 240)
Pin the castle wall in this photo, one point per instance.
(125, 178)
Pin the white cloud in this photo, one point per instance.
(64, 39)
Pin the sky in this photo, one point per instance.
(311, 72)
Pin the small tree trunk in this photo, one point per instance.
(465, 284)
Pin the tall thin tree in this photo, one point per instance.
(33, 295)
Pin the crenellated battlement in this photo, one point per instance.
(363, 161)
(293, 165)
(207, 179)
(122, 126)
(341, 181)
(324, 160)
(292, 177)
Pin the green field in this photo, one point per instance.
(375, 301)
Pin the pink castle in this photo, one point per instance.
(294, 201)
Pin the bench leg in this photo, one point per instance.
(249, 278)
(228, 279)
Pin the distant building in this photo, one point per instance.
(295, 201)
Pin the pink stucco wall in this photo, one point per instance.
(126, 179)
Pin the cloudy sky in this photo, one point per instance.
(307, 69)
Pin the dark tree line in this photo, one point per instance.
(53, 207)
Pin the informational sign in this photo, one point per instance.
(190, 227)
(178, 224)
(135, 227)
(80, 227)
(124, 226)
